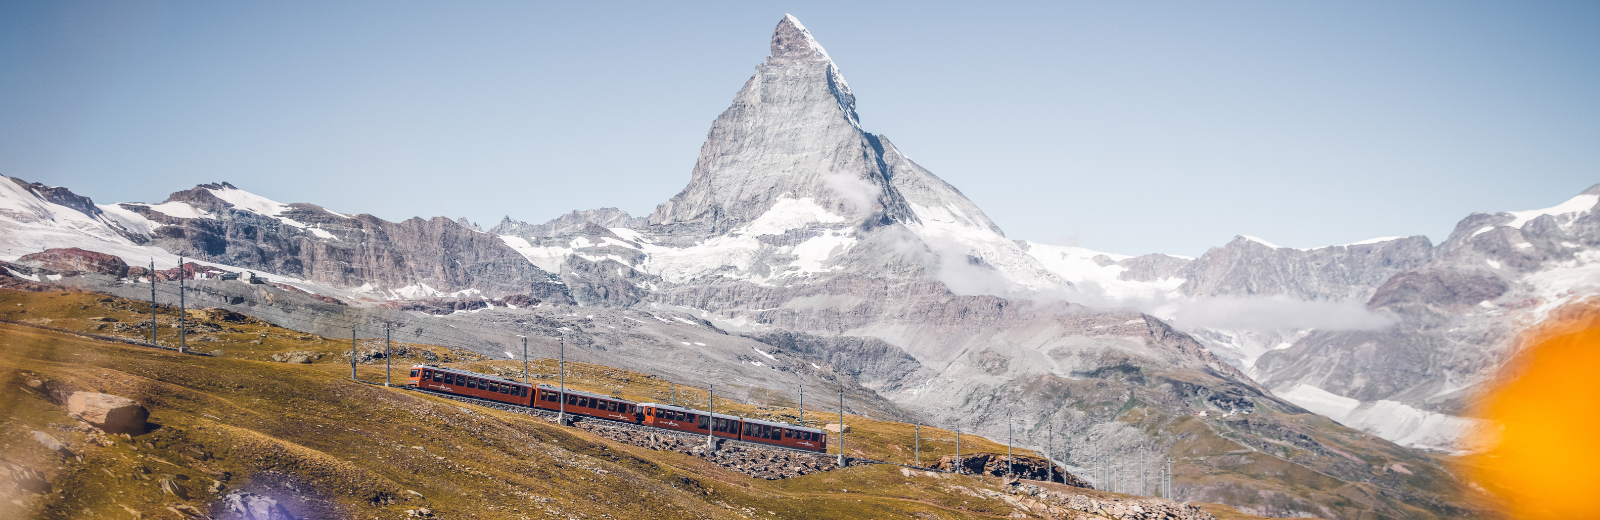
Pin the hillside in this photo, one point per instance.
(324, 446)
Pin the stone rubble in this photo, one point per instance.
(1056, 504)
(1024, 467)
(747, 458)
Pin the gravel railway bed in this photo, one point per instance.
(752, 458)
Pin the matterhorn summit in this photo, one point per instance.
(790, 154)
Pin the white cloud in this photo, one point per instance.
(1277, 312)
(860, 194)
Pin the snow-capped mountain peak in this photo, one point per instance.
(792, 40)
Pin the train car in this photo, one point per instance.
(689, 420)
(784, 434)
(585, 403)
(470, 384)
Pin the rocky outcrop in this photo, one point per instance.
(74, 261)
(870, 361)
(1250, 267)
(569, 223)
(311, 243)
(114, 414)
(444, 306)
(606, 282)
(1000, 465)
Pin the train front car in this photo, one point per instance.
(784, 434)
(689, 420)
(585, 403)
(470, 384)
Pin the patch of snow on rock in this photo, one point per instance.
(1578, 204)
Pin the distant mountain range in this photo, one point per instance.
(800, 230)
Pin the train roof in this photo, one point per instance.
(547, 386)
(689, 410)
(783, 425)
(469, 373)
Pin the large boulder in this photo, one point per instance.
(114, 414)
(74, 260)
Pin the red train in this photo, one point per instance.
(495, 388)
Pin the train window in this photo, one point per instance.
(788, 434)
(572, 399)
(472, 382)
(747, 428)
(449, 379)
(505, 389)
(611, 406)
(437, 376)
(415, 372)
(705, 422)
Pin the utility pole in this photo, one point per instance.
(711, 432)
(801, 409)
(561, 416)
(353, 353)
(958, 451)
(386, 356)
(524, 360)
(1008, 446)
(841, 426)
(919, 446)
(1169, 477)
(1144, 486)
(1050, 448)
(152, 301)
(672, 393)
(183, 314)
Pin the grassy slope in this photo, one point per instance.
(330, 447)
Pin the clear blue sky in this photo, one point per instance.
(1134, 127)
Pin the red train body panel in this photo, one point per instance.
(585, 403)
(471, 384)
(547, 397)
(688, 420)
(783, 434)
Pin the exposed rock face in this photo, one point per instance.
(341, 250)
(1246, 267)
(570, 223)
(999, 465)
(792, 132)
(443, 306)
(74, 260)
(114, 414)
(1457, 317)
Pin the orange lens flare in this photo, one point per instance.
(1545, 462)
